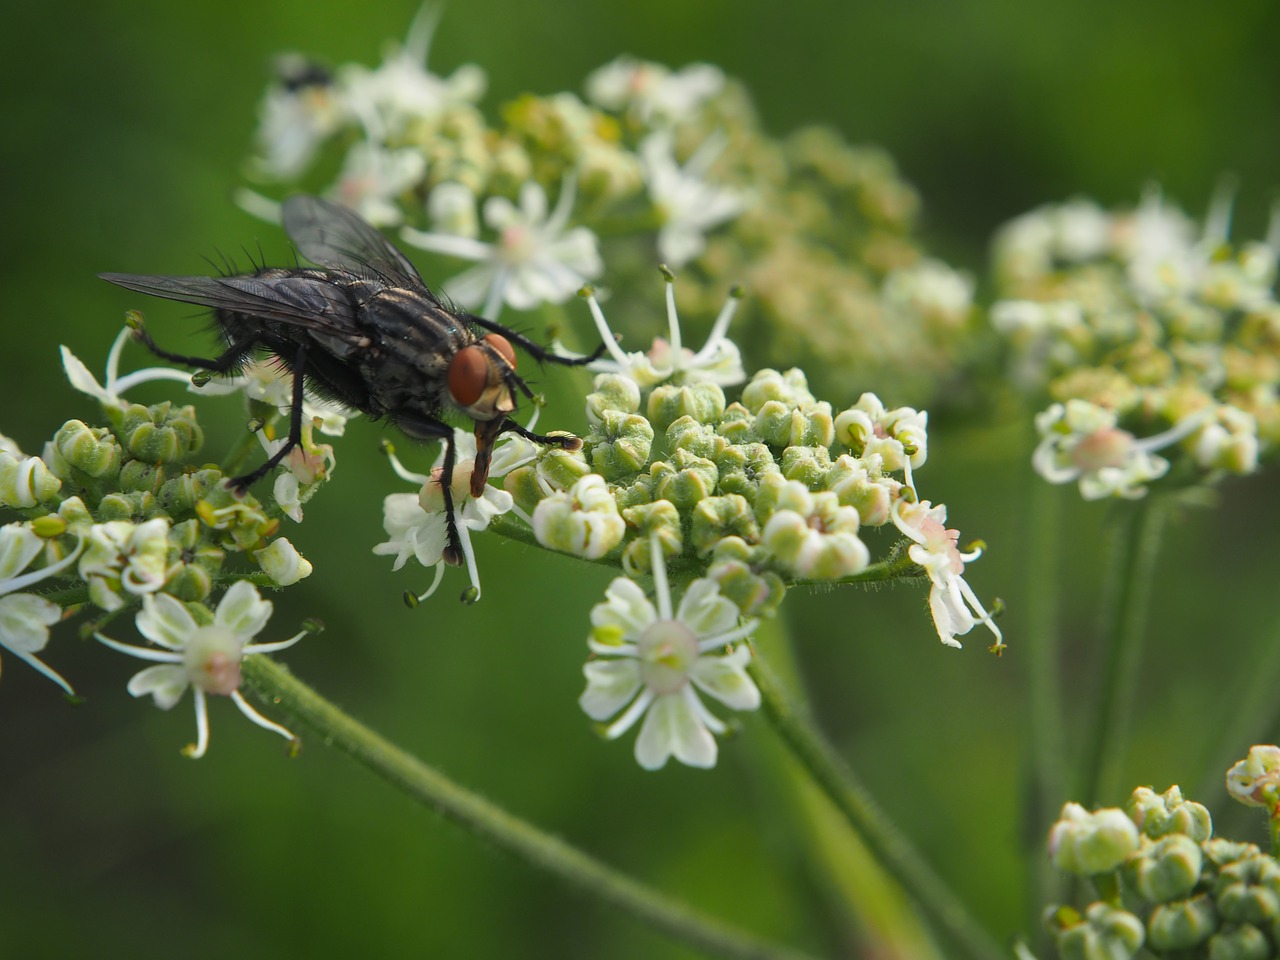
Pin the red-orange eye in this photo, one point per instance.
(503, 346)
(468, 375)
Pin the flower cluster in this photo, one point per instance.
(540, 199)
(1167, 887)
(1149, 334)
(116, 518)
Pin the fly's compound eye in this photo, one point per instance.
(468, 375)
(503, 346)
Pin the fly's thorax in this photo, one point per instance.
(412, 341)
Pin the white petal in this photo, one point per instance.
(81, 379)
(243, 610)
(25, 621)
(673, 728)
(626, 607)
(165, 683)
(165, 621)
(610, 686)
(726, 679)
(704, 611)
(19, 545)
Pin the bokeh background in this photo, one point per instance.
(124, 132)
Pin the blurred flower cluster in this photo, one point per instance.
(1148, 333)
(119, 519)
(1166, 886)
(647, 164)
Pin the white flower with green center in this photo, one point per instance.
(25, 619)
(204, 657)
(955, 607)
(122, 556)
(654, 663)
(719, 361)
(899, 437)
(652, 92)
(687, 203)
(1080, 441)
(111, 393)
(537, 258)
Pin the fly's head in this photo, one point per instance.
(482, 380)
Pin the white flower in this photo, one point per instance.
(306, 466)
(813, 536)
(416, 524)
(25, 619)
(535, 259)
(652, 92)
(402, 89)
(899, 437)
(1080, 441)
(373, 177)
(124, 556)
(205, 658)
(298, 113)
(719, 361)
(654, 663)
(955, 607)
(933, 290)
(583, 521)
(111, 392)
(688, 205)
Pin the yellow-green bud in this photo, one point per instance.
(715, 518)
(620, 444)
(92, 451)
(856, 485)
(637, 493)
(1249, 891)
(660, 517)
(26, 481)
(1244, 942)
(180, 494)
(1158, 815)
(562, 468)
(49, 527)
(1103, 933)
(612, 392)
(138, 475)
(780, 425)
(1091, 843)
(754, 593)
(738, 425)
(702, 401)
(808, 465)
(743, 468)
(700, 439)
(685, 479)
(190, 583)
(161, 433)
(790, 389)
(1182, 925)
(1166, 870)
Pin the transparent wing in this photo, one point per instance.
(335, 237)
(316, 304)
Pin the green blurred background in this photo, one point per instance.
(124, 132)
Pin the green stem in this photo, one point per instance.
(891, 848)
(274, 684)
(1138, 547)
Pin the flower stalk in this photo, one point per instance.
(274, 684)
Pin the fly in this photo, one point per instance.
(364, 330)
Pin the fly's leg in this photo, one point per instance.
(230, 359)
(536, 350)
(565, 441)
(240, 484)
(421, 427)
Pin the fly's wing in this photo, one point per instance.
(309, 302)
(335, 237)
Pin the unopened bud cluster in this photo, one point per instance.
(1168, 887)
(1148, 332)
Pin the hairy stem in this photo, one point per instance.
(895, 853)
(274, 684)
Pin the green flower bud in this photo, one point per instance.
(138, 475)
(239, 521)
(1248, 891)
(134, 505)
(1182, 925)
(702, 401)
(808, 465)
(738, 425)
(743, 467)
(26, 482)
(562, 468)
(1245, 942)
(1221, 852)
(76, 514)
(791, 389)
(715, 518)
(1166, 870)
(612, 392)
(584, 521)
(754, 592)
(1091, 843)
(180, 494)
(190, 583)
(620, 444)
(699, 439)
(282, 563)
(782, 426)
(861, 484)
(49, 527)
(685, 479)
(660, 517)
(1158, 815)
(636, 494)
(91, 450)
(161, 433)
(1104, 933)
(524, 486)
